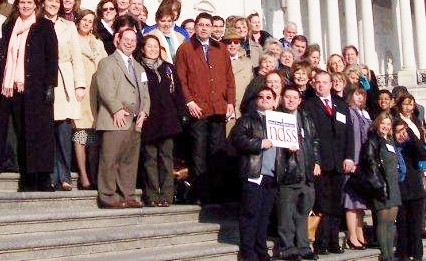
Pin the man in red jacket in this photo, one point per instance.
(205, 73)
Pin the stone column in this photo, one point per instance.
(420, 18)
(333, 24)
(293, 14)
(351, 23)
(370, 55)
(407, 76)
(314, 22)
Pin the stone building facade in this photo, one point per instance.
(388, 33)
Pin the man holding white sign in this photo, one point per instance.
(296, 189)
(260, 164)
(333, 122)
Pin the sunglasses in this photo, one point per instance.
(234, 41)
(267, 97)
(108, 9)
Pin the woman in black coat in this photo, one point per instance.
(162, 125)
(29, 100)
(410, 219)
(378, 159)
(106, 13)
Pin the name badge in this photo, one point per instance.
(144, 78)
(390, 148)
(340, 117)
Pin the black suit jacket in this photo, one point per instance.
(336, 136)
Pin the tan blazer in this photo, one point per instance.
(71, 71)
(117, 90)
(92, 53)
(242, 69)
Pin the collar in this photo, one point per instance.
(234, 57)
(106, 25)
(327, 97)
(204, 42)
(125, 57)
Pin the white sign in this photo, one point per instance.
(281, 129)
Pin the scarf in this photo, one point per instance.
(153, 65)
(402, 168)
(14, 73)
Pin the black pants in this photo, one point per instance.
(208, 137)
(409, 225)
(327, 234)
(255, 208)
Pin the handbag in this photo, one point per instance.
(313, 222)
(367, 185)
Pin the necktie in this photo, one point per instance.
(328, 108)
(206, 52)
(171, 47)
(133, 77)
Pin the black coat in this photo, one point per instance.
(246, 136)
(336, 138)
(309, 143)
(41, 74)
(379, 161)
(167, 104)
(412, 151)
(105, 36)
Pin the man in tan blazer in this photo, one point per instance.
(123, 106)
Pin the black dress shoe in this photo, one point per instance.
(264, 257)
(336, 250)
(321, 251)
(291, 257)
(310, 256)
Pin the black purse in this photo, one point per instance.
(368, 186)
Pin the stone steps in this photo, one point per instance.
(9, 181)
(37, 245)
(17, 222)
(68, 225)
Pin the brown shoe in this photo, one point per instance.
(117, 204)
(131, 203)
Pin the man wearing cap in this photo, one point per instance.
(242, 68)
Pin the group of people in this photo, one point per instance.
(130, 100)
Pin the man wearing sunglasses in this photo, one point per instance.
(260, 163)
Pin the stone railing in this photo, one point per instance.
(387, 81)
(421, 76)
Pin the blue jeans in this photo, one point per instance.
(63, 153)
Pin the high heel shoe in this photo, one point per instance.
(353, 247)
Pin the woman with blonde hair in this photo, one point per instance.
(68, 94)
(378, 159)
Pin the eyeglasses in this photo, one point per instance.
(232, 41)
(108, 9)
(204, 25)
(267, 97)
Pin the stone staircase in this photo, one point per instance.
(59, 226)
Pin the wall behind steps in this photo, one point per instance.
(190, 8)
